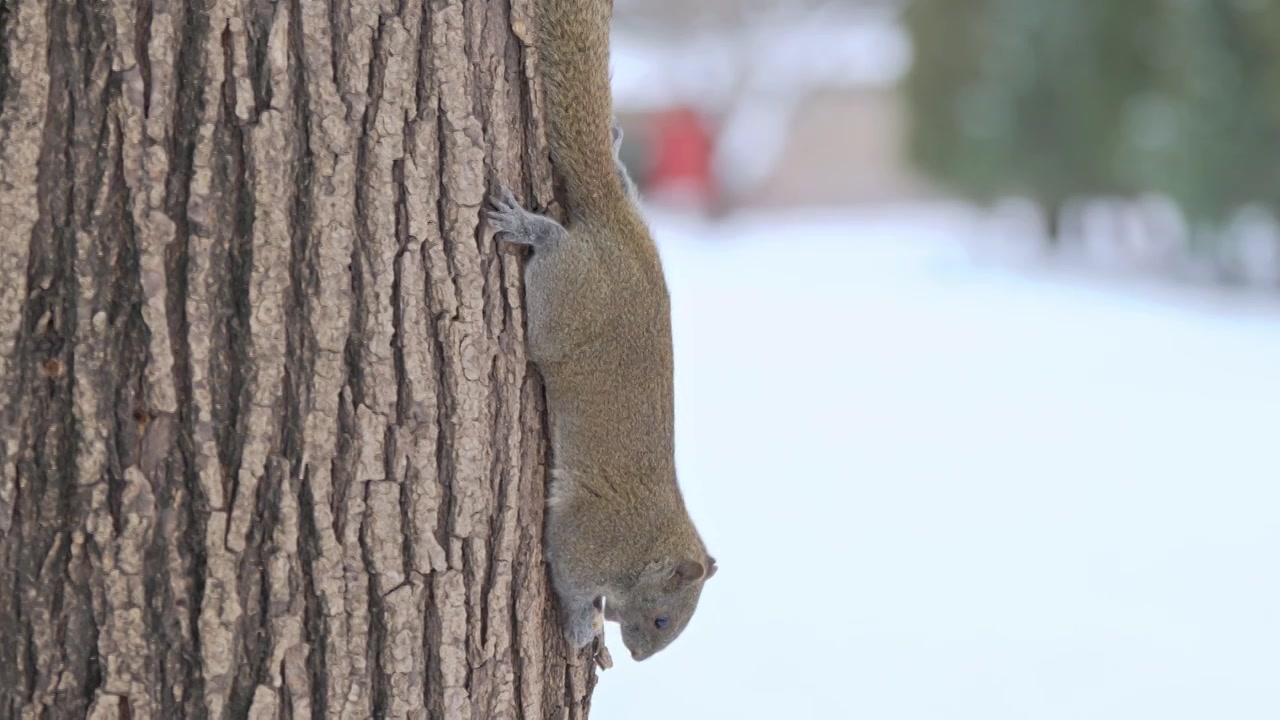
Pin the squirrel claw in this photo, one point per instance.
(505, 213)
(520, 226)
(507, 200)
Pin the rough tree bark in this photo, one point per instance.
(268, 445)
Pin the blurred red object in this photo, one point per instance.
(681, 167)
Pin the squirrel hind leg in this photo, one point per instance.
(521, 226)
(624, 177)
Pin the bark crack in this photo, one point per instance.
(267, 443)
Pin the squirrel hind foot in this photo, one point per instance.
(521, 226)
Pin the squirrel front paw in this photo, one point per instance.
(583, 623)
(615, 135)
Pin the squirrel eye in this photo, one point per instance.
(660, 622)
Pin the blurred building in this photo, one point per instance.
(802, 106)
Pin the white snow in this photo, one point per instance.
(942, 489)
(782, 56)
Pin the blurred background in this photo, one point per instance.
(977, 320)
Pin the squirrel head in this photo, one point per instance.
(659, 606)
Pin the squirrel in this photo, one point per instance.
(619, 540)
(624, 177)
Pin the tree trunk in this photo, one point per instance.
(268, 444)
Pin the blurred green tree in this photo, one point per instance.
(1064, 100)
(1211, 126)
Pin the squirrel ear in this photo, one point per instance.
(689, 570)
(711, 567)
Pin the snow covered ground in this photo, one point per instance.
(939, 488)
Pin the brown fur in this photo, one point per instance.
(599, 330)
